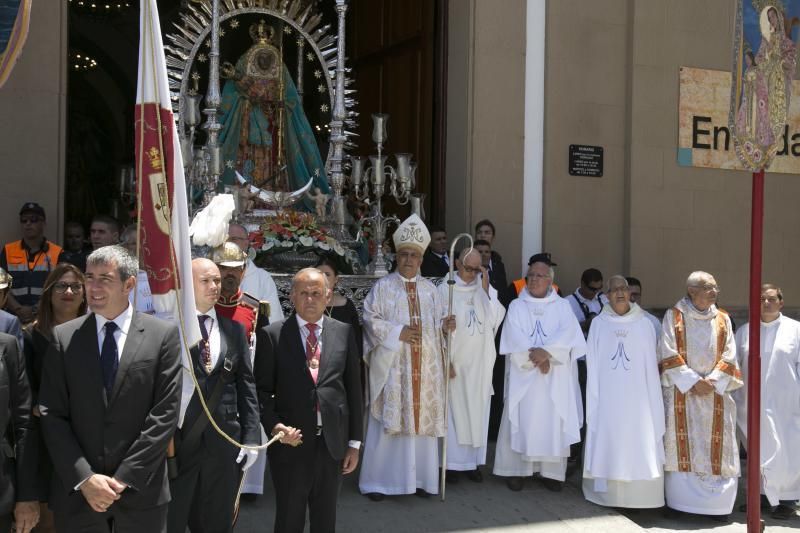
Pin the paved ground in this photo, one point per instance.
(491, 507)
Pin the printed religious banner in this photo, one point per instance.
(704, 134)
(764, 55)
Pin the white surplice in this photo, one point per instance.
(780, 405)
(542, 414)
(398, 457)
(624, 450)
(472, 354)
(691, 484)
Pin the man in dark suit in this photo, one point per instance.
(18, 453)
(109, 402)
(435, 262)
(204, 493)
(309, 386)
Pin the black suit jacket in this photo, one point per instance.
(287, 393)
(17, 429)
(433, 266)
(124, 436)
(237, 411)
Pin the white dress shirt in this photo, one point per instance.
(214, 341)
(303, 337)
(123, 322)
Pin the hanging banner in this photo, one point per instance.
(704, 136)
(15, 17)
(764, 57)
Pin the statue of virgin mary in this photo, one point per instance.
(265, 134)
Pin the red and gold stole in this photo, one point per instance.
(416, 347)
(718, 420)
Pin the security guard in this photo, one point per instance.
(29, 261)
(233, 303)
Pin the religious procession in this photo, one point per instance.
(260, 311)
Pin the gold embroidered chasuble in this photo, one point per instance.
(701, 433)
(406, 381)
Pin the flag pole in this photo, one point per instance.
(754, 522)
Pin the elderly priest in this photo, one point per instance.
(403, 321)
(623, 464)
(698, 372)
(542, 415)
(478, 315)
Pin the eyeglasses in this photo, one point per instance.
(770, 300)
(29, 220)
(61, 287)
(471, 270)
(708, 288)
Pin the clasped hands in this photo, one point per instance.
(703, 387)
(291, 436)
(101, 491)
(540, 359)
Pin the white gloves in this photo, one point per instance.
(249, 456)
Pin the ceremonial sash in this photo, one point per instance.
(416, 348)
(718, 419)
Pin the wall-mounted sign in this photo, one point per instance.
(585, 160)
(704, 137)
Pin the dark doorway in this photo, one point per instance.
(396, 52)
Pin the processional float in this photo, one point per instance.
(288, 92)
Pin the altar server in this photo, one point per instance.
(780, 401)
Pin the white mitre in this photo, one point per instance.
(412, 232)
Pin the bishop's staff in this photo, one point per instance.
(450, 283)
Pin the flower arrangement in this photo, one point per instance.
(298, 232)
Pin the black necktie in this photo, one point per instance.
(109, 357)
(205, 347)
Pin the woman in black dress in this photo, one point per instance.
(63, 299)
(341, 308)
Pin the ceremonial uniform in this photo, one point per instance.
(247, 311)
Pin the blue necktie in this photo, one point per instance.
(109, 359)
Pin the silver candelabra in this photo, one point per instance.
(203, 164)
(369, 184)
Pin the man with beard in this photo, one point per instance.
(233, 302)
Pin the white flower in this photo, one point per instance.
(338, 248)
(287, 244)
(306, 241)
(322, 246)
(267, 245)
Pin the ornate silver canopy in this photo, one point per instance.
(317, 50)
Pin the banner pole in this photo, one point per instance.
(754, 523)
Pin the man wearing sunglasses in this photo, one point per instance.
(29, 261)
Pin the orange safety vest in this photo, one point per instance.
(29, 273)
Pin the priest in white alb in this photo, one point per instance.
(780, 402)
(623, 465)
(542, 414)
(404, 318)
(478, 315)
(699, 371)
